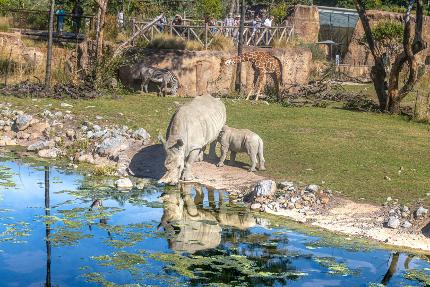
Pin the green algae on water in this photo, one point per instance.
(334, 267)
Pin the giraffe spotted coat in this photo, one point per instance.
(264, 63)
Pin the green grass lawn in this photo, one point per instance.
(345, 151)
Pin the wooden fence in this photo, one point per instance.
(204, 34)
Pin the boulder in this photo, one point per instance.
(393, 222)
(255, 206)
(421, 211)
(312, 188)
(49, 153)
(7, 141)
(88, 158)
(263, 188)
(22, 122)
(407, 224)
(111, 147)
(40, 145)
(124, 183)
(141, 134)
(37, 130)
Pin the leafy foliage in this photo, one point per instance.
(388, 30)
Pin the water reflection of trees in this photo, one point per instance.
(47, 229)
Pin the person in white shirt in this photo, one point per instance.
(229, 23)
(268, 22)
(267, 25)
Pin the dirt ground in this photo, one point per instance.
(340, 216)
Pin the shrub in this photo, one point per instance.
(281, 43)
(221, 43)
(165, 41)
(193, 45)
(4, 24)
(111, 28)
(317, 52)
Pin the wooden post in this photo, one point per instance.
(48, 74)
(206, 35)
(9, 62)
(240, 48)
(133, 29)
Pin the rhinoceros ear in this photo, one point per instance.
(180, 142)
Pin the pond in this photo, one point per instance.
(60, 228)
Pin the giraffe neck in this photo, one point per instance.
(239, 59)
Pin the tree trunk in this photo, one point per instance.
(378, 76)
(391, 101)
(101, 15)
(49, 53)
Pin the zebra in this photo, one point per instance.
(163, 77)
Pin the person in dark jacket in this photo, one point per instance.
(77, 13)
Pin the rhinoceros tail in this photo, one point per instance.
(260, 154)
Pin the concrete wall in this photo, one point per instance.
(197, 69)
(359, 55)
(306, 21)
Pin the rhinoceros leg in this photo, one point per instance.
(212, 150)
(192, 157)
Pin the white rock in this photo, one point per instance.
(286, 184)
(66, 105)
(255, 206)
(141, 134)
(406, 224)
(312, 188)
(421, 211)
(49, 153)
(124, 183)
(22, 122)
(393, 222)
(263, 188)
(40, 145)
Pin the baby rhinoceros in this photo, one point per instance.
(241, 140)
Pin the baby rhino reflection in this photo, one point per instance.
(191, 228)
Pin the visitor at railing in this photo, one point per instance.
(177, 21)
(236, 25)
(61, 14)
(161, 23)
(256, 26)
(77, 13)
(229, 23)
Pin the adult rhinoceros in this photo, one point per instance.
(192, 127)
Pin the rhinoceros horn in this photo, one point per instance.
(160, 138)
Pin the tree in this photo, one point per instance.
(386, 74)
(210, 8)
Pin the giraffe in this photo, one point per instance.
(264, 63)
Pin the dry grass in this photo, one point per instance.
(221, 43)
(26, 62)
(193, 45)
(4, 24)
(166, 41)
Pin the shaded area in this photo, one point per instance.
(148, 162)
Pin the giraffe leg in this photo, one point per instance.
(276, 81)
(260, 85)
(249, 94)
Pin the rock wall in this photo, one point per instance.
(358, 55)
(306, 21)
(197, 70)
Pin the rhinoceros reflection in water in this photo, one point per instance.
(191, 228)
